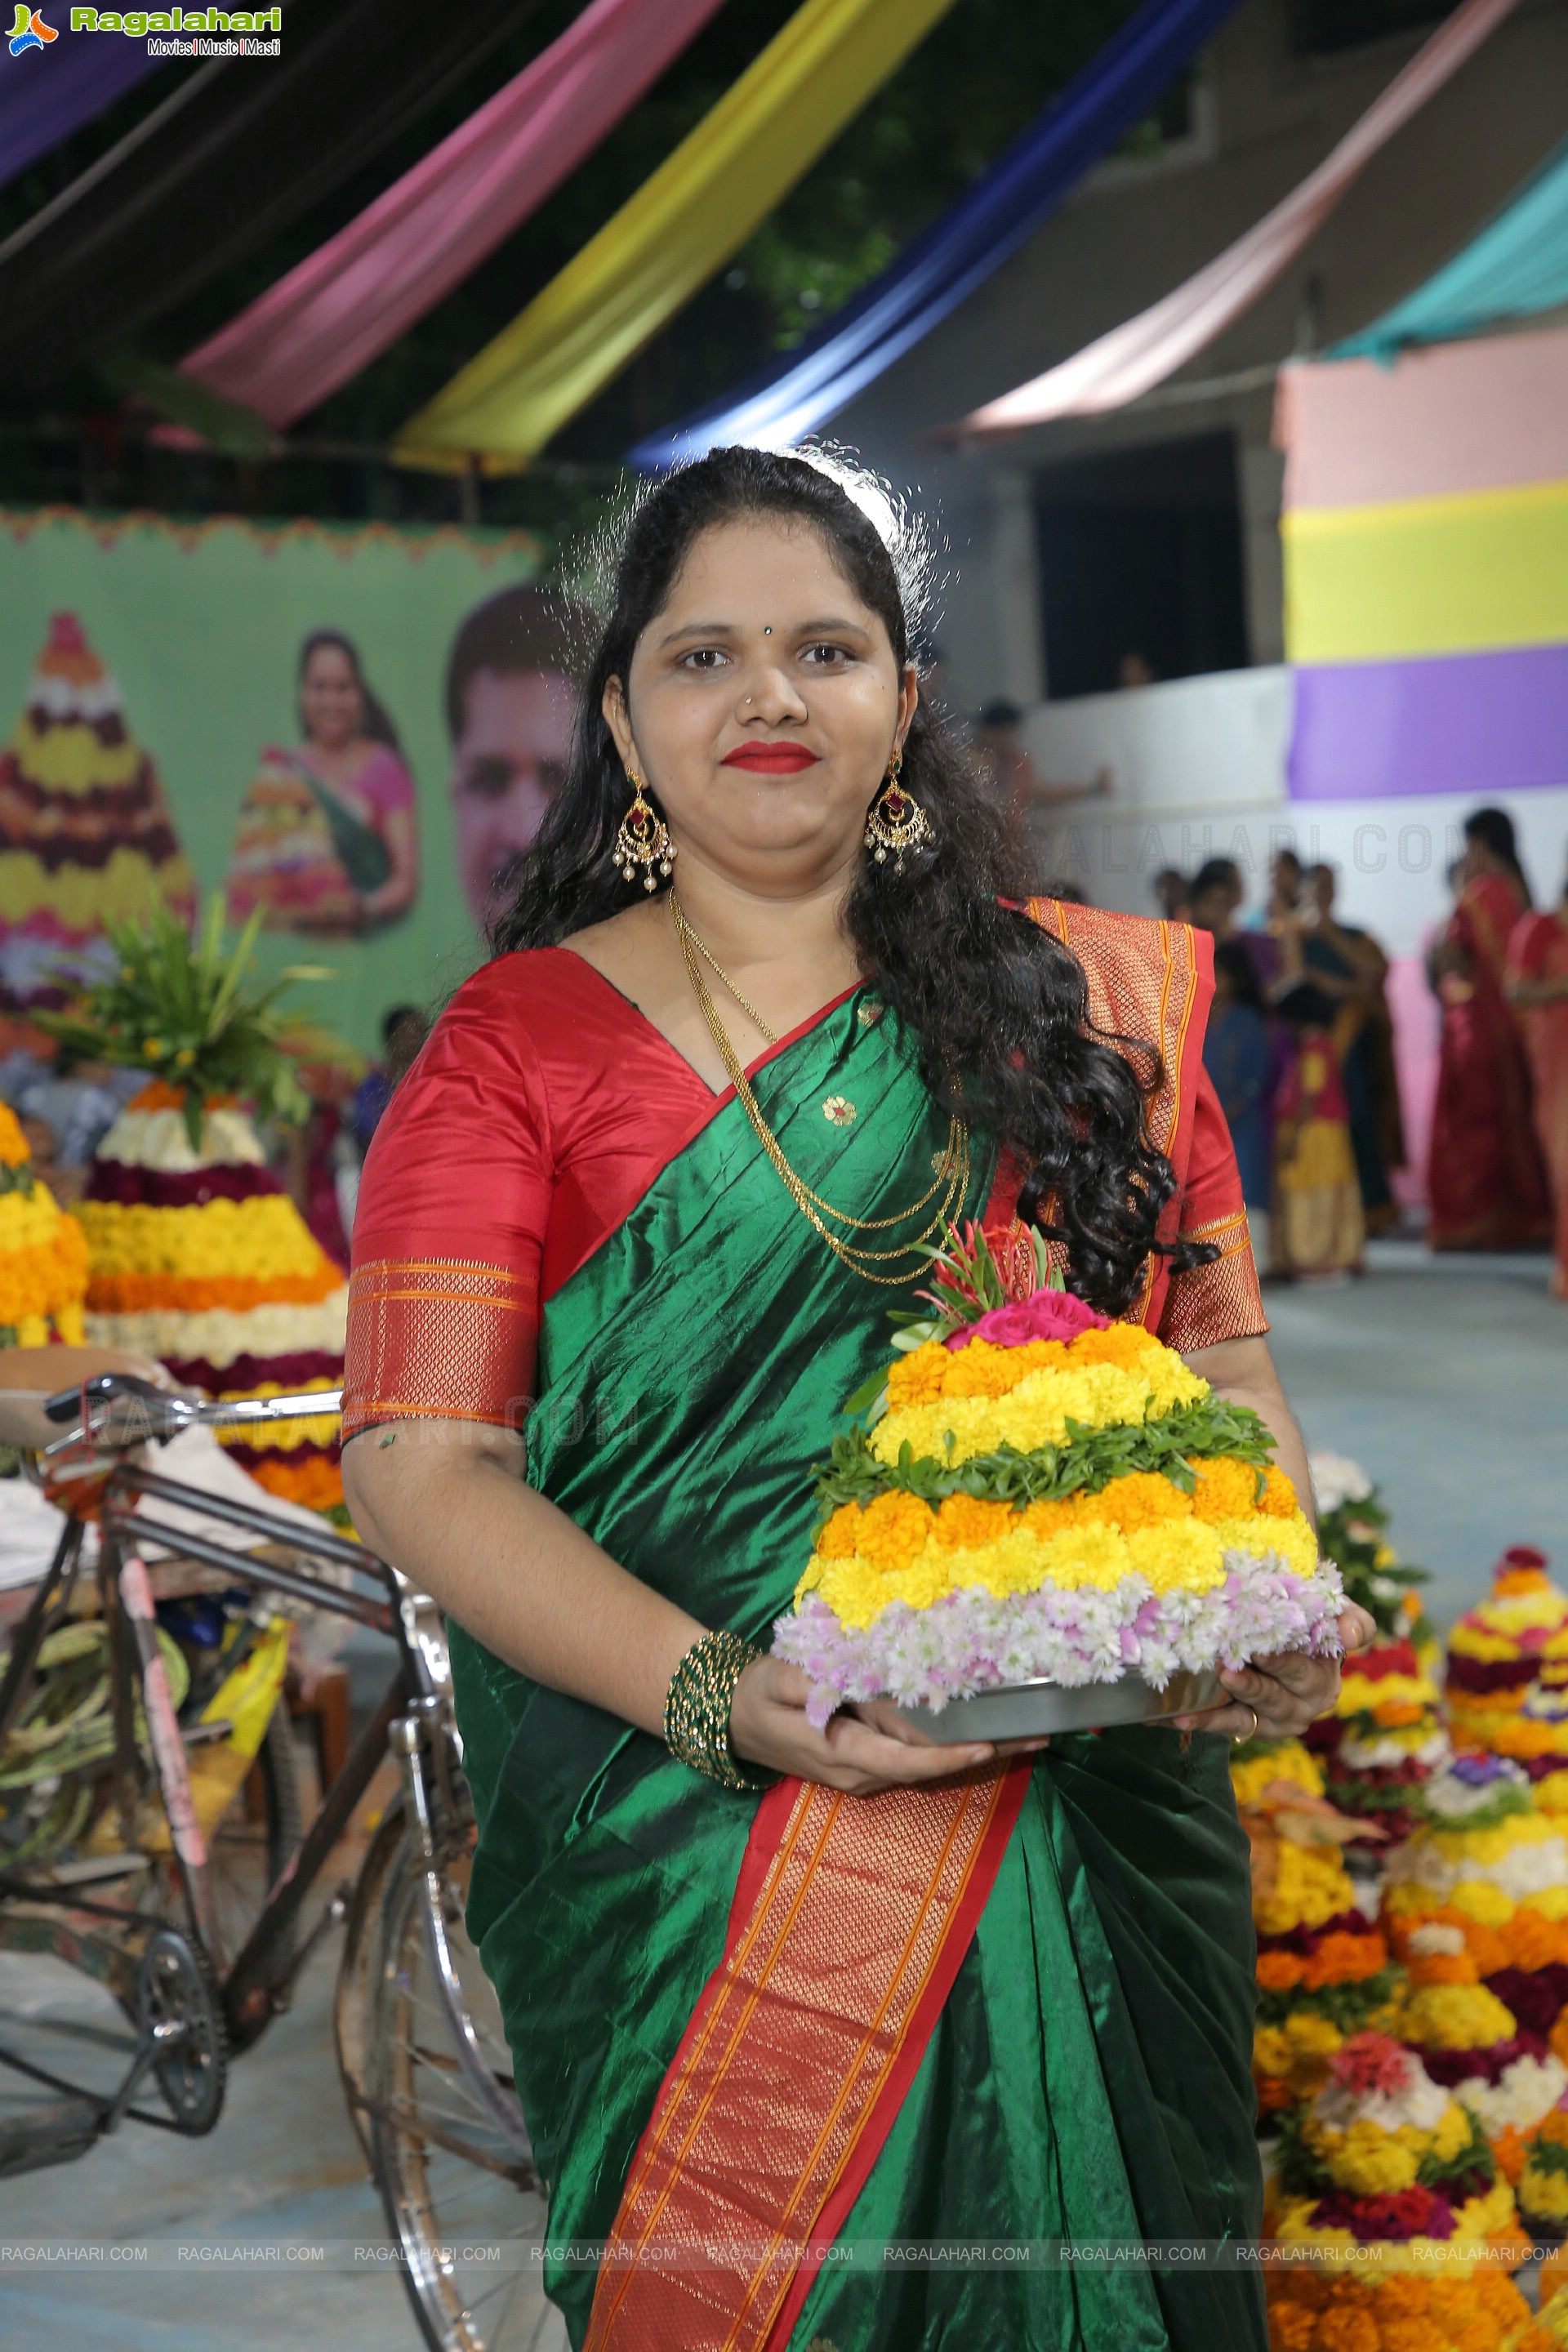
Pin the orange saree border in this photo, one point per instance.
(797, 2057)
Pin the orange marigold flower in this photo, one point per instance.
(894, 1530)
(917, 1378)
(317, 1483)
(1348, 2327)
(1509, 2148)
(1144, 1498)
(1123, 1344)
(1280, 1971)
(1225, 1490)
(836, 1540)
(1048, 1520)
(1444, 1968)
(142, 1294)
(1278, 1500)
(1344, 1959)
(965, 1522)
(1290, 2326)
(1535, 1941)
(983, 1369)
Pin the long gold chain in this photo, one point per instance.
(686, 932)
(953, 1165)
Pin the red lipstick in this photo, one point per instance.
(771, 759)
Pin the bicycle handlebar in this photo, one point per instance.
(135, 1412)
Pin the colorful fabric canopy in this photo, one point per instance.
(343, 306)
(38, 109)
(1517, 267)
(1135, 357)
(668, 239)
(250, 151)
(1425, 536)
(959, 252)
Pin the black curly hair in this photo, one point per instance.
(985, 991)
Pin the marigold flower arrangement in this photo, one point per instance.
(1323, 1967)
(1488, 1973)
(1385, 2155)
(1478, 2310)
(1386, 1736)
(1038, 1493)
(1508, 1666)
(43, 1252)
(1542, 2187)
(198, 1255)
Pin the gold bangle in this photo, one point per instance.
(697, 1708)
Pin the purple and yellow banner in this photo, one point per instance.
(1425, 539)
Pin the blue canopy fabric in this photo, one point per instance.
(46, 94)
(958, 252)
(1517, 266)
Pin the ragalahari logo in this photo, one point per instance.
(29, 31)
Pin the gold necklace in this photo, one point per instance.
(685, 933)
(953, 1166)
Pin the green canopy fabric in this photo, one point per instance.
(1517, 266)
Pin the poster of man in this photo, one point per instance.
(326, 842)
(510, 702)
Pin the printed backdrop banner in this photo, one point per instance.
(265, 712)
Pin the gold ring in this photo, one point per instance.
(1240, 1738)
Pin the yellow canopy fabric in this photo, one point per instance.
(1463, 573)
(668, 239)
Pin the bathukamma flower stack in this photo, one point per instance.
(1508, 1667)
(43, 1252)
(198, 1255)
(1323, 1968)
(1476, 1906)
(1037, 1492)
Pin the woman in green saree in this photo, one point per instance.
(779, 1999)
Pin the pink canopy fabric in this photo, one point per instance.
(343, 306)
(1135, 357)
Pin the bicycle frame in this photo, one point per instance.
(61, 1921)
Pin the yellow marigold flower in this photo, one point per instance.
(1455, 2017)
(836, 1540)
(1287, 1761)
(263, 1237)
(1271, 2052)
(1551, 1902)
(1033, 1415)
(1544, 2195)
(1310, 2035)
(963, 1521)
(894, 1530)
(1452, 2133)
(152, 1047)
(1294, 1540)
(1311, 1885)
(1048, 1520)
(1096, 1556)
(1479, 1900)
(1182, 1556)
(1370, 2161)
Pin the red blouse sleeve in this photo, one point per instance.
(449, 1226)
(1220, 1301)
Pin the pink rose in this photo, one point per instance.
(1044, 1315)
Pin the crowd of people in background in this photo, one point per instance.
(1300, 1051)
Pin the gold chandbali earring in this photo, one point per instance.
(643, 840)
(895, 823)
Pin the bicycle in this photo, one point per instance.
(209, 1945)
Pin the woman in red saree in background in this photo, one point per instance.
(1537, 987)
(1485, 1183)
(901, 1991)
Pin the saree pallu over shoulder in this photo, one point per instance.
(1150, 984)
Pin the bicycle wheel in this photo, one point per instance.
(447, 2142)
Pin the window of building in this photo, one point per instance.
(1141, 565)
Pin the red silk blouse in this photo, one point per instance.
(545, 1104)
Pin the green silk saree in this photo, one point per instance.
(1086, 2074)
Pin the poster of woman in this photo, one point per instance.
(326, 840)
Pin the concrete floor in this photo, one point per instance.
(1447, 1377)
(1444, 1378)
